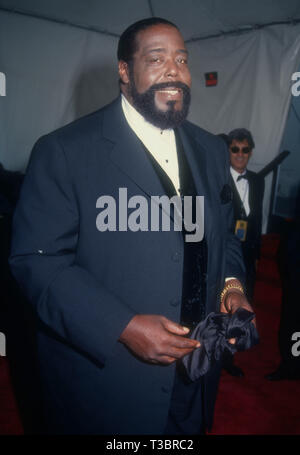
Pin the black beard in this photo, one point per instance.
(145, 104)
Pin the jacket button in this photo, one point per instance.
(174, 302)
(176, 257)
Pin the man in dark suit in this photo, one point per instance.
(248, 193)
(114, 296)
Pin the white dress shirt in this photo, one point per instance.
(160, 143)
(243, 188)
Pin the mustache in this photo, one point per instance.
(163, 85)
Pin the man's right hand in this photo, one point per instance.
(156, 339)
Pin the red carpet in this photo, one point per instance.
(250, 405)
(253, 405)
(10, 423)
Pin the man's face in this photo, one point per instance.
(158, 79)
(238, 158)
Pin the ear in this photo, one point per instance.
(123, 72)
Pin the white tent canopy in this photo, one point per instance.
(59, 59)
(195, 18)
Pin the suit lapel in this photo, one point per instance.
(237, 201)
(128, 153)
(196, 155)
(251, 193)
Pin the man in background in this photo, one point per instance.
(248, 193)
(248, 189)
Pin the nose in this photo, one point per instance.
(171, 68)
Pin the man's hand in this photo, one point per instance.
(156, 339)
(232, 301)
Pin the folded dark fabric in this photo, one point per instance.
(213, 333)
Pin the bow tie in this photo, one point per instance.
(240, 177)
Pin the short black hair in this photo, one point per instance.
(127, 43)
(240, 134)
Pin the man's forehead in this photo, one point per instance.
(153, 48)
(158, 37)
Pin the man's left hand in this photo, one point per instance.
(233, 300)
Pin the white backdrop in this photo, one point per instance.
(254, 88)
(56, 73)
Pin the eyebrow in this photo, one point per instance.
(162, 49)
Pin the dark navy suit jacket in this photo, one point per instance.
(86, 285)
(256, 195)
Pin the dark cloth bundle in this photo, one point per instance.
(213, 333)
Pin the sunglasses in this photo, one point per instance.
(245, 150)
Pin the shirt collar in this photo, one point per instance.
(138, 123)
(236, 174)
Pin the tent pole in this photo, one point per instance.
(239, 31)
(151, 8)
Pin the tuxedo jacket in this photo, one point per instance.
(254, 219)
(86, 285)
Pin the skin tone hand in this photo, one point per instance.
(233, 300)
(156, 339)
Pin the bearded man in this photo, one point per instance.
(115, 304)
